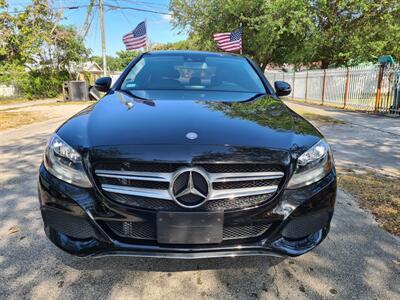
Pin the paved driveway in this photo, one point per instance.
(364, 142)
(358, 260)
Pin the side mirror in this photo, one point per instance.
(282, 88)
(103, 84)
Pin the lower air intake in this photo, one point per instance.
(147, 230)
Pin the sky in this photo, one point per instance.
(117, 22)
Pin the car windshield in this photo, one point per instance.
(193, 72)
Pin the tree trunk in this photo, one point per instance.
(264, 64)
(324, 64)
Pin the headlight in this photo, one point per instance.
(312, 165)
(62, 161)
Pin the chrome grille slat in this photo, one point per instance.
(223, 177)
(136, 191)
(233, 193)
(164, 194)
(150, 176)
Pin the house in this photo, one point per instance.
(89, 71)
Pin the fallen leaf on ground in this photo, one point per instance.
(13, 230)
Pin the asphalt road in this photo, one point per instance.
(358, 260)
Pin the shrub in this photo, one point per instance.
(41, 83)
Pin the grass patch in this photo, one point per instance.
(87, 103)
(14, 119)
(320, 119)
(15, 101)
(60, 103)
(377, 193)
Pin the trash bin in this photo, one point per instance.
(75, 91)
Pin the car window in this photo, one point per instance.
(193, 72)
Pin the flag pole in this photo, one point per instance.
(147, 39)
(241, 38)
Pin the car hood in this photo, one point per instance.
(119, 119)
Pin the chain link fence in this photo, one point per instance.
(372, 88)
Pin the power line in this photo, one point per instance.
(123, 14)
(105, 5)
(138, 9)
(148, 4)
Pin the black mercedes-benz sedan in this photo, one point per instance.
(187, 155)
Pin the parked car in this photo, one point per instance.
(188, 155)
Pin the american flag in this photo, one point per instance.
(229, 41)
(137, 38)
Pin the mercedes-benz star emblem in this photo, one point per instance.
(190, 188)
(192, 135)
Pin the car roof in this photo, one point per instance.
(192, 52)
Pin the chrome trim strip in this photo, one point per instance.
(225, 177)
(148, 176)
(189, 255)
(136, 191)
(233, 193)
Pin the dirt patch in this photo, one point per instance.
(14, 119)
(377, 193)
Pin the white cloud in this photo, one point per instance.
(167, 17)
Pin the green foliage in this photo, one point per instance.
(328, 32)
(40, 83)
(189, 44)
(35, 51)
(349, 32)
(66, 47)
(118, 62)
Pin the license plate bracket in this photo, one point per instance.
(190, 227)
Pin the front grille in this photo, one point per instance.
(148, 231)
(147, 185)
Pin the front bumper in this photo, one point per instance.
(74, 221)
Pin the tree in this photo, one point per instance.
(118, 62)
(273, 31)
(329, 32)
(23, 34)
(353, 31)
(66, 47)
(35, 51)
(189, 44)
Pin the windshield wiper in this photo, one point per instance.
(132, 94)
(254, 97)
(137, 98)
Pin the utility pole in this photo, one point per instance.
(103, 37)
(241, 37)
